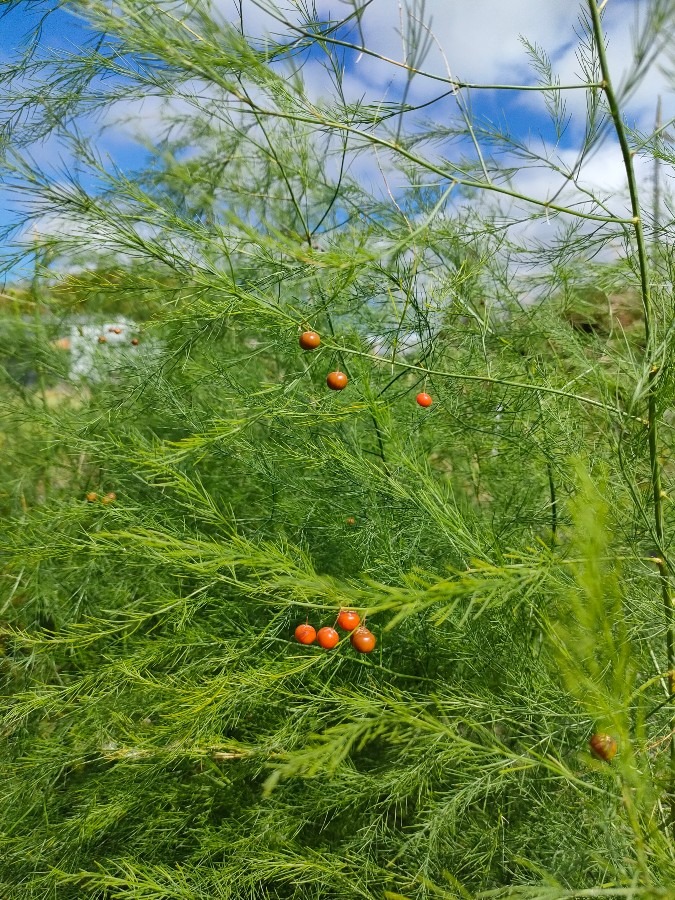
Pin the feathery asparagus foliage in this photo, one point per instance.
(164, 736)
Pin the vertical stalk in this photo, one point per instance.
(656, 212)
(652, 388)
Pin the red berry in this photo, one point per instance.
(363, 640)
(309, 340)
(337, 381)
(327, 637)
(348, 619)
(424, 399)
(603, 746)
(305, 634)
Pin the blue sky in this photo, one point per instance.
(478, 40)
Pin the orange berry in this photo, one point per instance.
(337, 381)
(305, 633)
(327, 637)
(363, 640)
(92, 497)
(424, 399)
(134, 342)
(348, 619)
(109, 498)
(603, 746)
(309, 340)
(102, 339)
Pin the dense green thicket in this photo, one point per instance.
(164, 735)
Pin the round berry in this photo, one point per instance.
(363, 640)
(309, 340)
(305, 633)
(102, 339)
(348, 619)
(134, 342)
(109, 498)
(327, 637)
(603, 746)
(337, 381)
(92, 497)
(350, 520)
(424, 399)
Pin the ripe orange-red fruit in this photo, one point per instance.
(134, 341)
(424, 399)
(109, 498)
(309, 340)
(92, 496)
(348, 619)
(305, 634)
(363, 640)
(327, 637)
(603, 746)
(337, 381)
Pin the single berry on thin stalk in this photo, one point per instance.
(309, 340)
(348, 619)
(305, 633)
(327, 637)
(363, 640)
(337, 381)
(424, 399)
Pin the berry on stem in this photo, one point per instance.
(309, 340)
(327, 637)
(134, 342)
(336, 381)
(363, 640)
(603, 746)
(109, 498)
(348, 619)
(424, 399)
(92, 497)
(305, 633)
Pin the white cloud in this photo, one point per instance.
(480, 39)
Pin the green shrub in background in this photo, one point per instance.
(164, 735)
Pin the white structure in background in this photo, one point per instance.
(96, 349)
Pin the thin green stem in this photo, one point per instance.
(652, 394)
(318, 119)
(462, 376)
(323, 38)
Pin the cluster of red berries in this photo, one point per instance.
(362, 639)
(338, 381)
